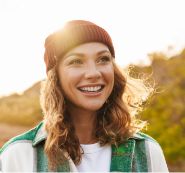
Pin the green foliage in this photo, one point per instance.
(166, 111)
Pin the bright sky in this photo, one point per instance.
(136, 27)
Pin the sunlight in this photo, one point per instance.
(136, 29)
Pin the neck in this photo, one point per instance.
(85, 124)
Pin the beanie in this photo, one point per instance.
(74, 33)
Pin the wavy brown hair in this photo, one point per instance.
(116, 120)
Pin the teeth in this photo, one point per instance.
(91, 89)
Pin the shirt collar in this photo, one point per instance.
(40, 135)
(138, 136)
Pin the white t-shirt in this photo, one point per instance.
(95, 158)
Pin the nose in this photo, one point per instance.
(92, 71)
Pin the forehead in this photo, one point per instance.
(88, 48)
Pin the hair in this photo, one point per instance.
(116, 119)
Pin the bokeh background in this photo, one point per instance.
(148, 35)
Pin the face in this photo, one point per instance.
(87, 76)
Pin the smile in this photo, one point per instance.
(97, 88)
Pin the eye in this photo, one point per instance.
(75, 62)
(104, 59)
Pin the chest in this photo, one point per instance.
(95, 158)
(128, 157)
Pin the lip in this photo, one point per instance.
(92, 94)
(91, 85)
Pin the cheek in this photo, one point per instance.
(109, 74)
(68, 78)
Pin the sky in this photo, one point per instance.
(137, 28)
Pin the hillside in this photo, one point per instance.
(21, 109)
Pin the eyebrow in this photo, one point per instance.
(82, 55)
(103, 51)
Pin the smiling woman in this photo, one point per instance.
(88, 124)
(90, 76)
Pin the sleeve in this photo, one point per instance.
(17, 158)
(0, 165)
(156, 159)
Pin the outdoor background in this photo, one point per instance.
(148, 35)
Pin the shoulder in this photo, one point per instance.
(154, 153)
(20, 140)
(19, 153)
(149, 143)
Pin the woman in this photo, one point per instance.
(88, 121)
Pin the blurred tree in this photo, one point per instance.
(165, 112)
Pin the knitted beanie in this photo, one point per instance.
(74, 33)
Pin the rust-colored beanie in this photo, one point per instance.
(74, 33)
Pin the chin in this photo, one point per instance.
(94, 107)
